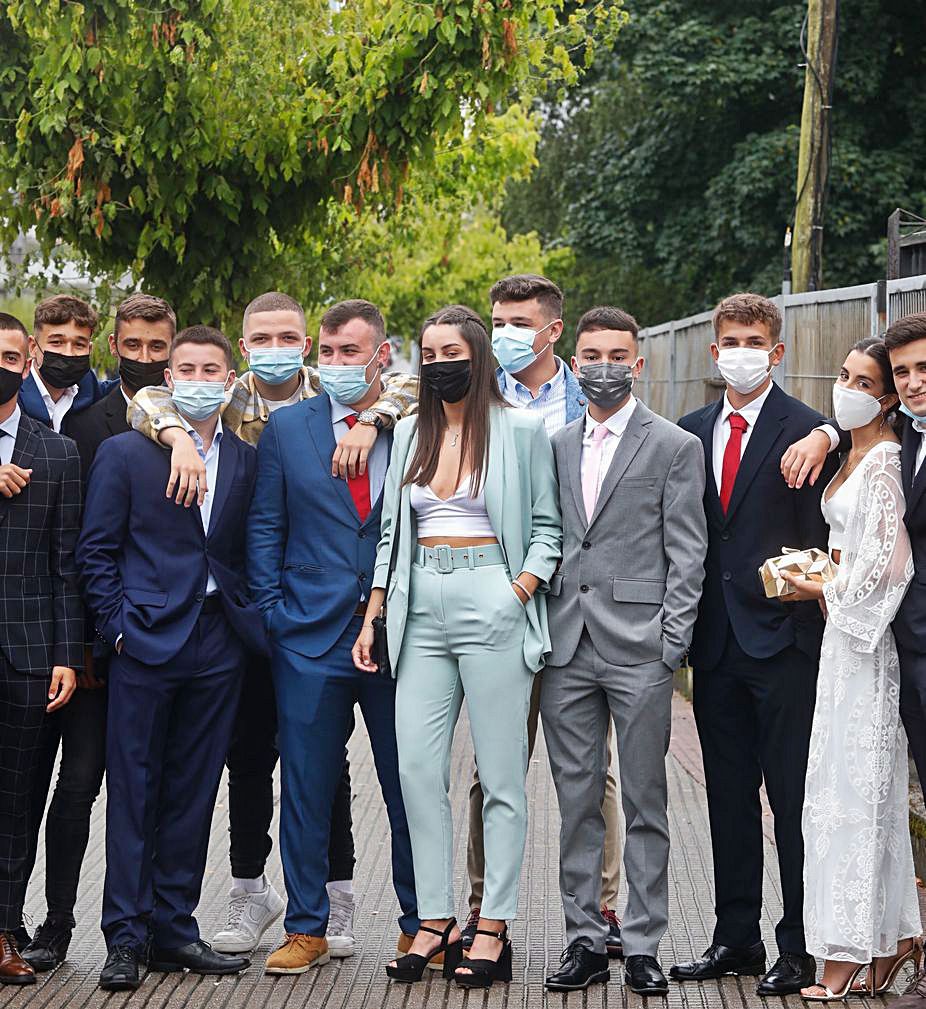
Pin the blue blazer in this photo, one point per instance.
(310, 558)
(764, 515)
(576, 400)
(89, 391)
(144, 561)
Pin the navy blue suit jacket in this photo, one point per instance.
(144, 561)
(910, 623)
(764, 515)
(309, 556)
(89, 390)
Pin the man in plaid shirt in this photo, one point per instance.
(274, 343)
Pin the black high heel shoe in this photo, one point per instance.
(411, 967)
(486, 972)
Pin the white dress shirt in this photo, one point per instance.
(56, 411)
(750, 413)
(377, 460)
(211, 459)
(550, 401)
(10, 428)
(617, 425)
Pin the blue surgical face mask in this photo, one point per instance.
(275, 365)
(346, 383)
(913, 416)
(198, 400)
(513, 346)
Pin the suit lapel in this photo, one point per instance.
(631, 440)
(913, 483)
(26, 443)
(766, 432)
(706, 434)
(495, 469)
(318, 417)
(31, 401)
(574, 466)
(115, 412)
(225, 476)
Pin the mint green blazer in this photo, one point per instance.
(522, 499)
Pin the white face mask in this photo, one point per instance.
(854, 408)
(744, 368)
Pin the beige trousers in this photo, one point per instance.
(610, 810)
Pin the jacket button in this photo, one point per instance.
(725, 536)
(363, 576)
(583, 588)
(200, 597)
(727, 576)
(362, 535)
(586, 545)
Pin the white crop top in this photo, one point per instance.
(459, 515)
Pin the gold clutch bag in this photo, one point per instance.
(811, 564)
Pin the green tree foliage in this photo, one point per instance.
(195, 143)
(671, 170)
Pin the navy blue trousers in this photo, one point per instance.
(315, 710)
(168, 731)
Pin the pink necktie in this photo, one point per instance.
(592, 470)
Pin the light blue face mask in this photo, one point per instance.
(275, 365)
(513, 346)
(919, 420)
(346, 383)
(198, 400)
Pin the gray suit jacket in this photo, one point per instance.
(633, 574)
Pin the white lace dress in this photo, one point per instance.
(859, 886)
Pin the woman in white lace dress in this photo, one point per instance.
(860, 900)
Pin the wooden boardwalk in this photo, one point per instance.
(359, 982)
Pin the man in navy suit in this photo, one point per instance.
(168, 591)
(312, 541)
(61, 381)
(755, 659)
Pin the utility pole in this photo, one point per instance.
(818, 40)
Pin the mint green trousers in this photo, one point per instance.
(464, 637)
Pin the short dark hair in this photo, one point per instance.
(354, 308)
(905, 330)
(747, 309)
(526, 287)
(63, 308)
(10, 322)
(147, 307)
(203, 335)
(273, 301)
(607, 317)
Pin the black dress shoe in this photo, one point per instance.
(790, 973)
(721, 960)
(120, 972)
(22, 937)
(644, 976)
(613, 942)
(580, 968)
(198, 957)
(49, 946)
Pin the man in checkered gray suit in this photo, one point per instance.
(41, 615)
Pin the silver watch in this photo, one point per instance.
(370, 417)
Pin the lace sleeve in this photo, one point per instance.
(876, 565)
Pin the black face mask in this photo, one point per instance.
(61, 371)
(10, 382)
(137, 375)
(450, 380)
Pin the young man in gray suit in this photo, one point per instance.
(621, 610)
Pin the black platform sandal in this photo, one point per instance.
(486, 972)
(411, 967)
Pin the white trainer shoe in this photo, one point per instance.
(249, 916)
(340, 934)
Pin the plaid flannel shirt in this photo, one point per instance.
(246, 413)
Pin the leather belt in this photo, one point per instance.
(446, 558)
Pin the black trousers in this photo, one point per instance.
(22, 715)
(252, 758)
(913, 705)
(754, 718)
(80, 729)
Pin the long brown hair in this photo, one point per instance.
(483, 394)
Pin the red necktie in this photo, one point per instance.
(731, 459)
(359, 486)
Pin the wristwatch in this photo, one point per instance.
(372, 418)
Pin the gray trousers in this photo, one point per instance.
(576, 702)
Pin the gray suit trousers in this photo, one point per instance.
(576, 702)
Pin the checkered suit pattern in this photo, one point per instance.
(41, 613)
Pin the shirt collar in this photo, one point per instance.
(70, 391)
(339, 411)
(11, 424)
(197, 437)
(750, 412)
(558, 379)
(616, 423)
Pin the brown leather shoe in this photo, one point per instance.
(13, 969)
(436, 963)
(298, 954)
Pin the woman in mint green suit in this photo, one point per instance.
(472, 493)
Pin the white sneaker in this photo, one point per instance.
(249, 916)
(340, 934)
